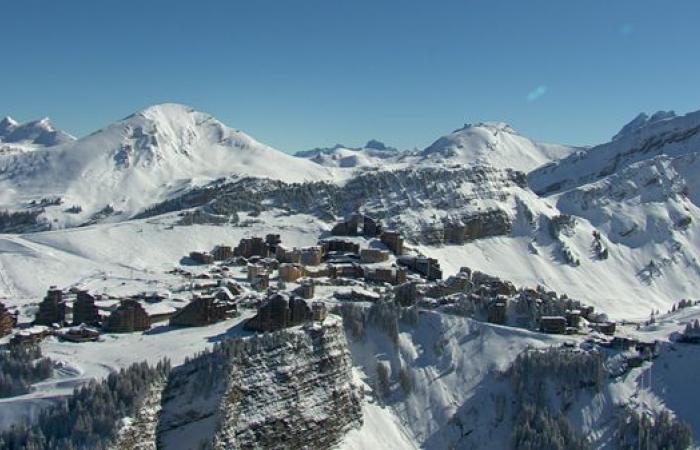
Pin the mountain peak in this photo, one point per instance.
(642, 120)
(7, 125)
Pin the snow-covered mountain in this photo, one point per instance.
(492, 143)
(373, 153)
(138, 161)
(18, 137)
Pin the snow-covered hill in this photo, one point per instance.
(492, 143)
(18, 137)
(138, 161)
(374, 153)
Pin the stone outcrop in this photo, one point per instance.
(291, 389)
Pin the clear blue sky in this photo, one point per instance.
(300, 74)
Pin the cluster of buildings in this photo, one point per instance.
(281, 311)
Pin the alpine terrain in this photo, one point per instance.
(169, 282)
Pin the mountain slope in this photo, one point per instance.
(641, 139)
(374, 153)
(140, 160)
(492, 143)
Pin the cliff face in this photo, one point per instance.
(290, 389)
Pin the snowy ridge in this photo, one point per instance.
(492, 143)
(374, 153)
(140, 160)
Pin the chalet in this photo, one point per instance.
(30, 336)
(130, 316)
(80, 333)
(553, 324)
(52, 310)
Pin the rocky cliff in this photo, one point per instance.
(290, 389)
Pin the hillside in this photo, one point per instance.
(119, 170)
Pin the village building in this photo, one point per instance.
(80, 333)
(391, 275)
(553, 324)
(346, 271)
(290, 273)
(254, 246)
(358, 224)
(201, 257)
(393, 240)
(260, 282)
(497, 312)
(279, 312)
(222, 252)
(30, 336)
(607, 328)
(84, 309)
(428, 267)
(7, 320)
(52, 310)
(319, 311)
(340, 246)
(372, 255)
(130, 316)
(305, 290)
(453, 285)
(203, 311)
(255, 270)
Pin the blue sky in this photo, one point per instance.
(300, 74)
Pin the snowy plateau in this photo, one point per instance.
(540, 296)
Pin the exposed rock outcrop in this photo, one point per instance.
(290, 389)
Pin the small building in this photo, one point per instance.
(130, 316)
(30, 336)
(52, 310)
(290, 273)
(497, 313)
(254, 246)
(391, 275)
(260, 282)
(305, 291)
(7, 320)
(573, 318)
(553, 324)
(607, 328)
(255, 270)
(201, 257)
(372, 255)
(340, 246)
(80, 333)
(319, 311)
